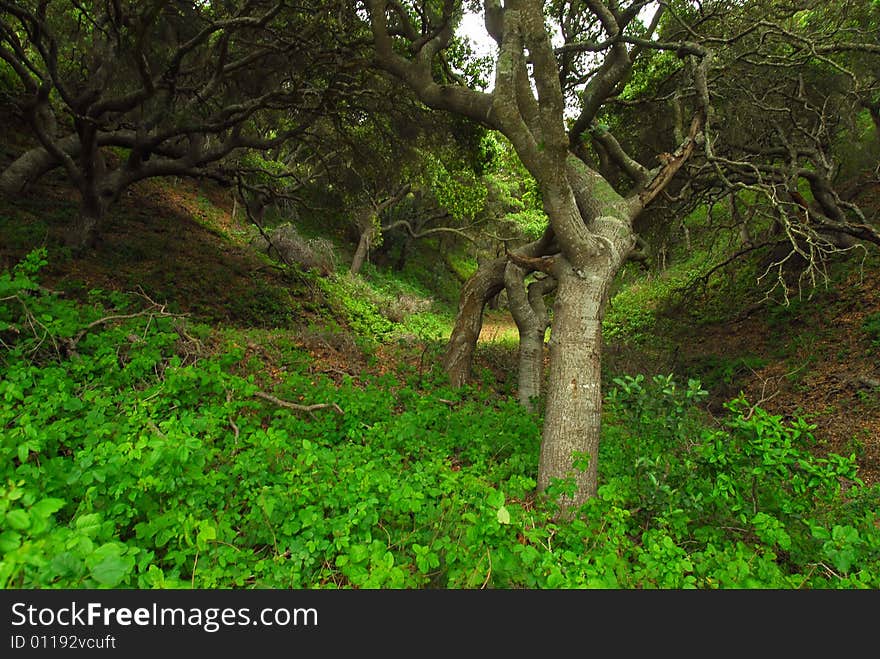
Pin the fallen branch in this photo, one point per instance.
(295, 406)
(101, 321)
(154, 310)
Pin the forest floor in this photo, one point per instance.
(182, 243)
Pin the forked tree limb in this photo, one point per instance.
(541, 263)
(672, 163)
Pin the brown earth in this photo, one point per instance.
(818, 363)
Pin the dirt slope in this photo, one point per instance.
(820, 361)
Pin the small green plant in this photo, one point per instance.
(264, 306)
(871, 327)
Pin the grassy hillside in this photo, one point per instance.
(814, 356)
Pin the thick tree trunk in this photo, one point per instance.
(584, 273)
(572, 422)
(96, 190)
(84, 231)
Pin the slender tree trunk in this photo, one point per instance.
(482, 286)
(363, 248)
(531, 366)
(874, 110)
(531, 317)
(745, 236)
(572, 422)
(400, 262)
(485, 283)
(368, 223)
(687, 237)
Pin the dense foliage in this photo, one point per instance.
(136, 454)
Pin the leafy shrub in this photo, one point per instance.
(403, 306)
(286, 244)
(746, 490)
(871, 327)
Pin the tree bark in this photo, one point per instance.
(573, 417)
(97, 191)
(573, 412)
(482, 286)
(84, 231)
(30, 166)
(531, 317)
(363, 248)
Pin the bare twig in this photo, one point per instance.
(107, 319)
(765, 383)
(489, 573)
(195, 565)
(155, 309)
(231, 421)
